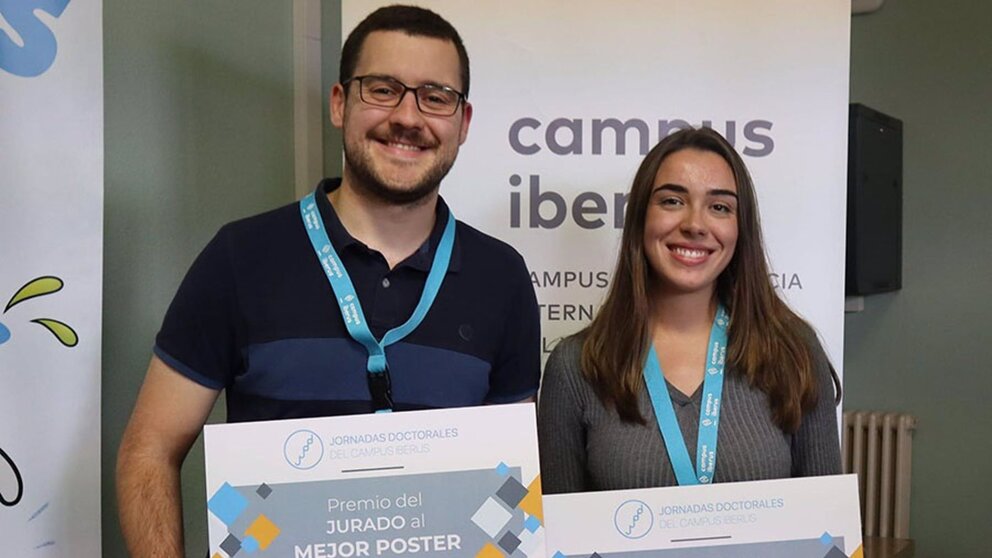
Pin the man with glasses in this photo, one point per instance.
(366, 296)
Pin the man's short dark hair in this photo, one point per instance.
(412, 20)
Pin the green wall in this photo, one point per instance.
(926, 349)
(330, 58)
(198, 104)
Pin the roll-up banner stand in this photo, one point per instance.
(51, 268)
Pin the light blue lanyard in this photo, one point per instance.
(709, 413)
(344, 290)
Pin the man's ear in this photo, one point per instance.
(466, 120)
(337, 102)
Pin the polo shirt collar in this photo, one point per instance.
(342, 240)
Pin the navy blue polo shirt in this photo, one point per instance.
(256, 316)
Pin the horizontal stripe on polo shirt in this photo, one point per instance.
(299, 369)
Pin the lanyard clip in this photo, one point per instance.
(380, 387)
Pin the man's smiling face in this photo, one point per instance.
(400, 154)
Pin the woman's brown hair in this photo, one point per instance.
(769, 344)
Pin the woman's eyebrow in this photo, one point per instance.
(679, 189)
(722, 192)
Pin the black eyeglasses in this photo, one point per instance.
(384, 91)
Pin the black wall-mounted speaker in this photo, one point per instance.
(874, 202)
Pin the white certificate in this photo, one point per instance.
(451, 482)
(813, 517)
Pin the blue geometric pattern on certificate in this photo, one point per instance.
(801, 548)
(491, 517)
(428, 514)
(249, 545)
(227, 504)
(512, 492)
(509, 542)
(835, 552)
(516, 539)
(826, 539)
(231, 545)
(529, 543)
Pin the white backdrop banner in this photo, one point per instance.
(569, 96)
(51, 260)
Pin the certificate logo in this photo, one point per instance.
(633, 519)
(303, 449)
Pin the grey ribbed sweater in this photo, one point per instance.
(584, 446)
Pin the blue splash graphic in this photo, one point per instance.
(37, 513)
(4, 334)
(38, 46)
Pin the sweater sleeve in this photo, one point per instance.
(816, 445)
(560, 425)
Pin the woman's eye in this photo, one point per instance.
(670, 201)
(722, 208)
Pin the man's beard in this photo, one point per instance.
(372, 183)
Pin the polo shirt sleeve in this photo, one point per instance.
(517, 370)
(200, 330)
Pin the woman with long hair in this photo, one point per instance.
(693, 370)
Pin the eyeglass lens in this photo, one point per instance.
(388, 92)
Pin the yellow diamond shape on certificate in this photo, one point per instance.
(263, 531)
(489, 551)
(532, 502)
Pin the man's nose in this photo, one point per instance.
(407, 113)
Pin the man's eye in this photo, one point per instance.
(437, 97)
(382, 91)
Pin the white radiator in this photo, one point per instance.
(878, 447)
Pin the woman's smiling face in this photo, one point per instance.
(690, 229)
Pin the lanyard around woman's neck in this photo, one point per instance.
(351, 309)
(709, 413)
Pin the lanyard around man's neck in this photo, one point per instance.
(351, 309)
